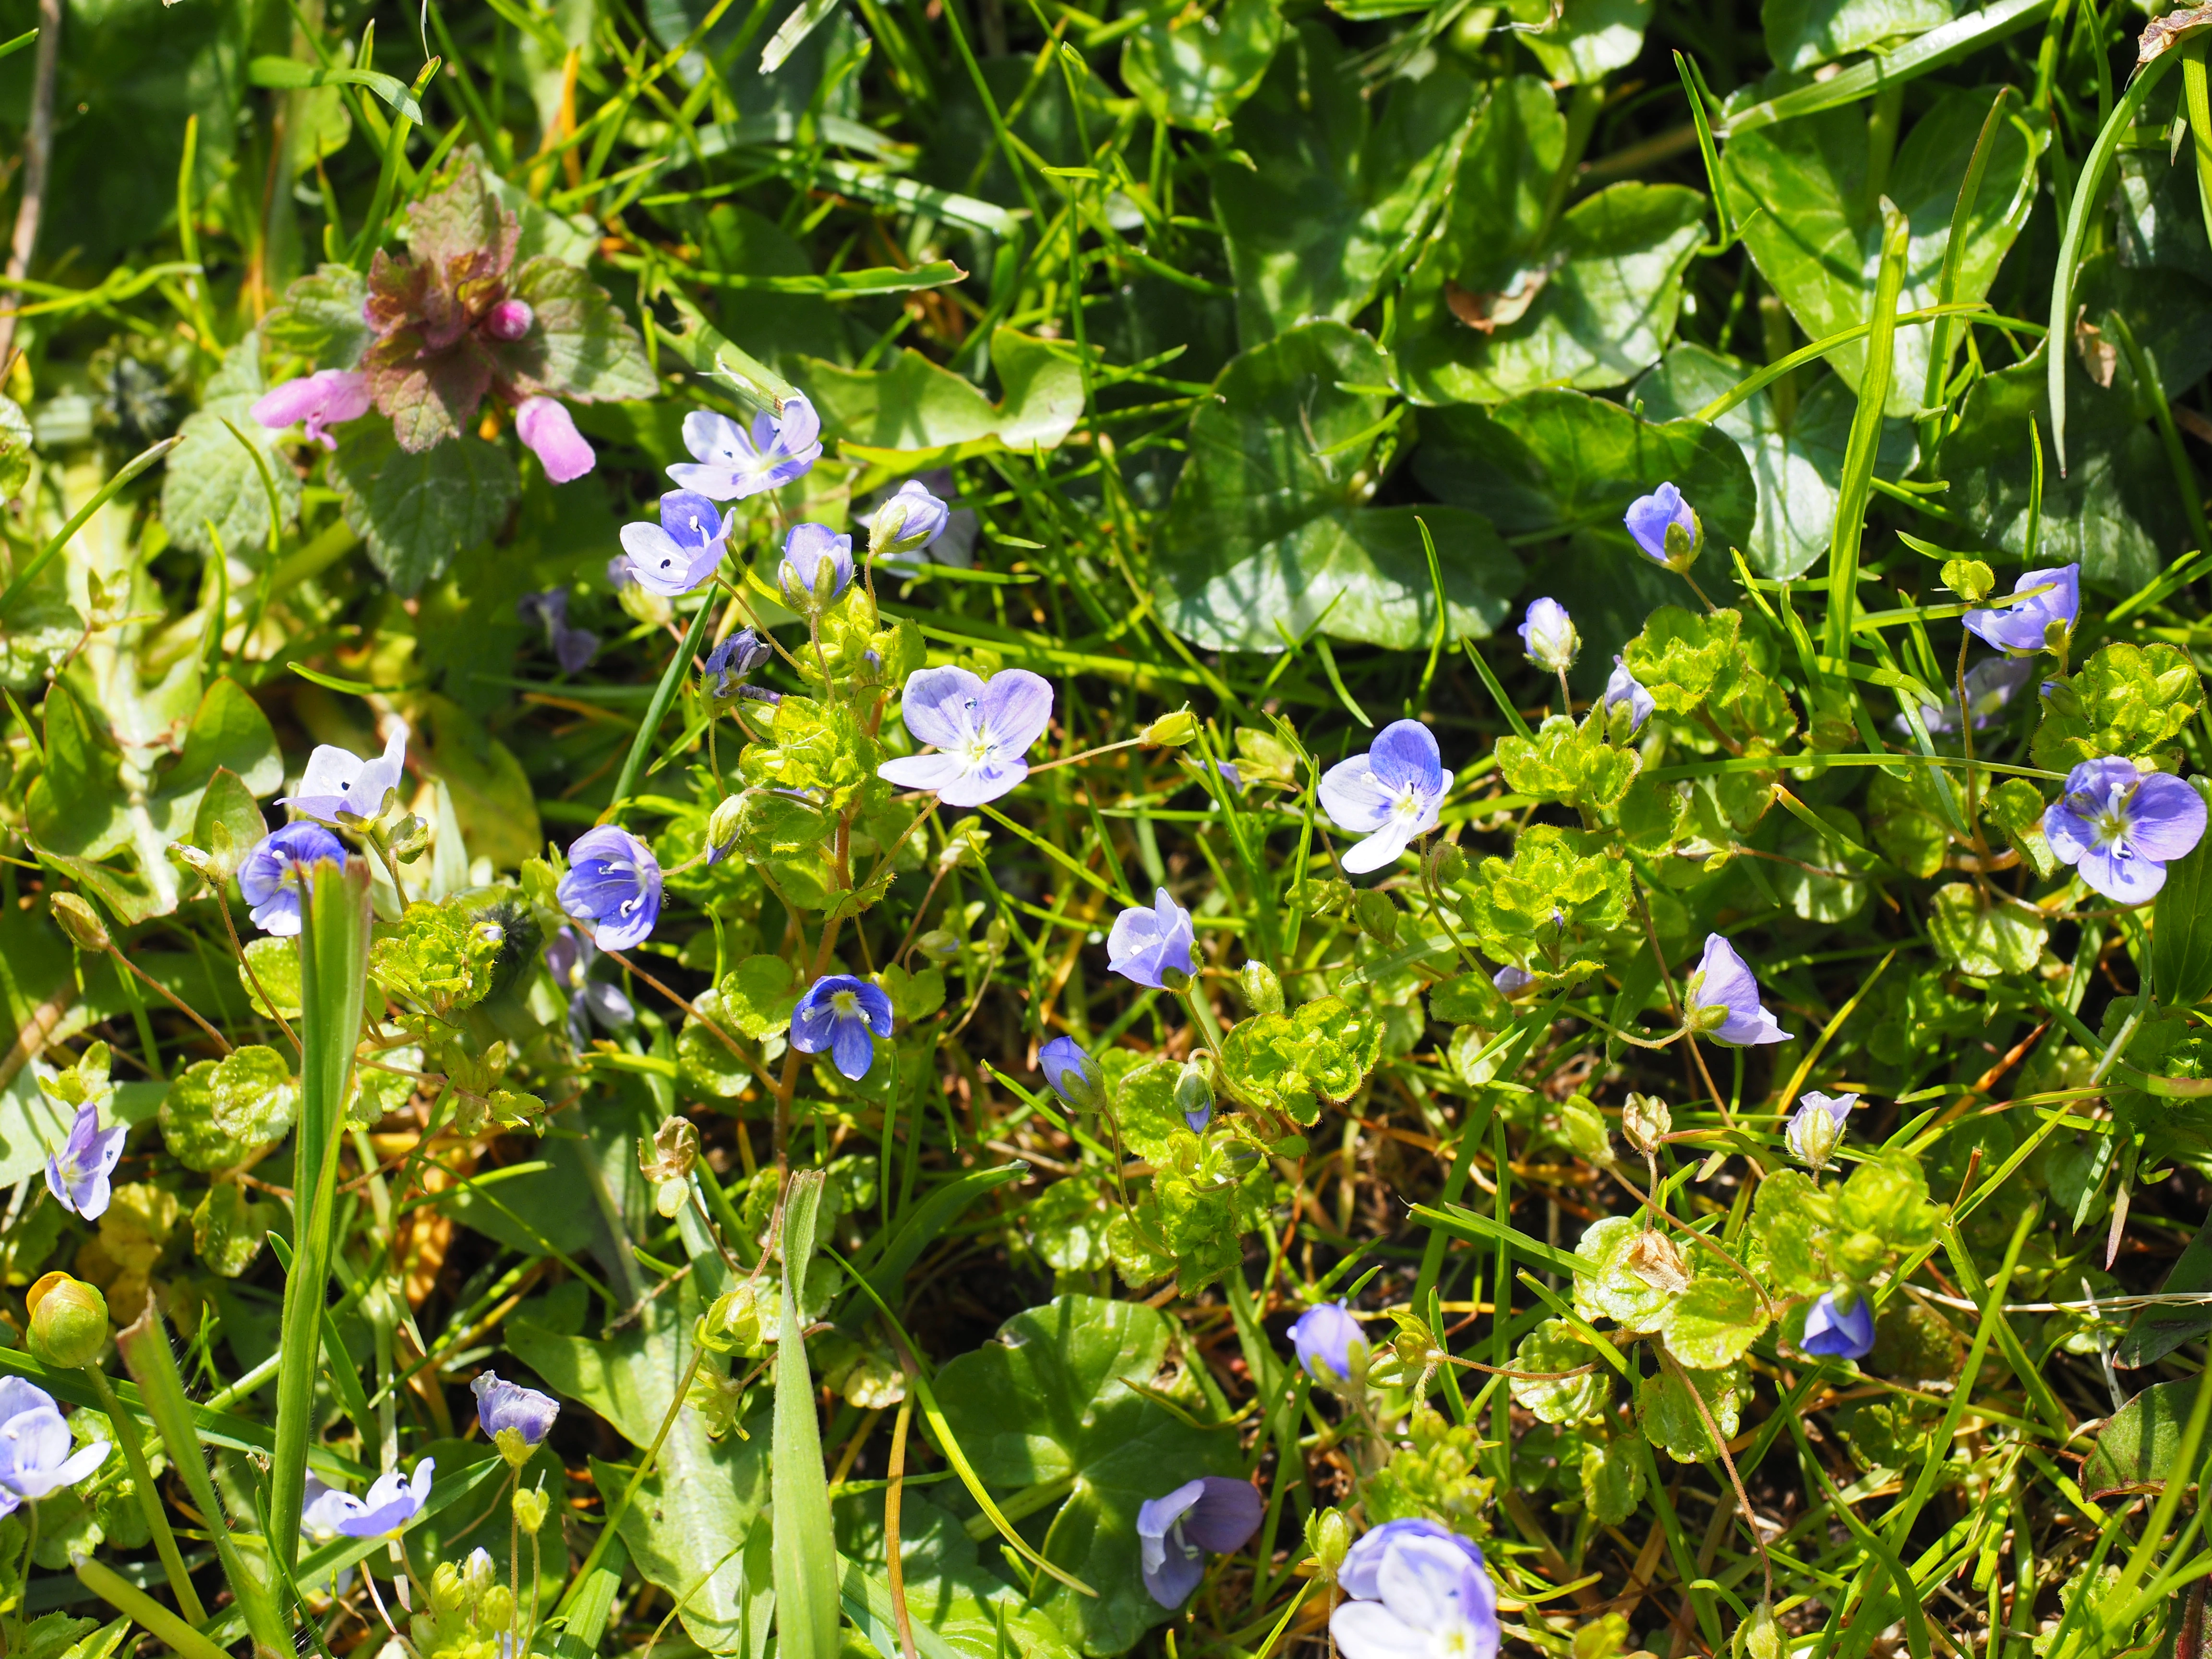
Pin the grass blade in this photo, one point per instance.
(1866, 438)
(333, 974)
(807, 1600)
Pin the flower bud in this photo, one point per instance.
(510, 320)
(80, 921)
(722, 826)
(1970, 578)
(530, 1508)
(939, 945)
(1549, 638)
(1448, 864)
(1378, 913)
(719, 1400)
(908, 522)
(1329, 1540)
(1170, 731)
(410, 837)
(1263, 992)
(69, 1321)
(1194, 1096)
(732, 1324)
(1645, 1121)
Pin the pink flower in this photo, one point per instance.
(509, 320)
(322, 400)
(546, 426)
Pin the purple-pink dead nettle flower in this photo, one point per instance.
(329, 397)
(2024, 627)
(1666, 528)
(1330, 1343)
(1623, 687)
(1388, 795)
(339, 786)
(1359, 1577)
(391, 1504)
(2119, 827)
(1832, 1333)
(613, 883)
(981, 729)
(1429, 1602)
(1213, 1514)
(1145, 946)
(685, 549)
(1724, 1000)
(269, 875)
(78, 1175)
(844, 1015)
(547, 428)
(730, 464)
(510, 320)
(36, 1459)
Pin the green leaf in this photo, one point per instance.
(1581, 41)
(1066, 1226)
(416, 511)
(804, 1548)
(1987, 938)
(2181, 931)
(1267, 531)
(211, 477)
(915, 413)
(1797, 466)
(1514, 904)
(973, 1613)
(2138, 1449)
(291, 75)
(440, 955)
(1803, 34)
(1604, 1287)
(15, 449)
(321, 320)
(75, 803)
(2015, 807)
(1714, 1322)
(228, 1228)
(1819, 240)
(219, 1113)
(696, 1528)
(1348, 183)
(579, 345)
(1790, 1222)
(1888, 1198)
(2156, 1331)
(1554, 1346)
(1909, 827)
(275, 964)
(1051, 1398)
(1669, 1417)
(2128, 700)
(1568, 762)
(1612, 1481)
(1194, 70)
(1603, 315)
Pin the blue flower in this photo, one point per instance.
(573, 648)
(982, 730)
(78, 1175)
(35, 1457)
(1211, 1515)
(1330, 1343)
(1666, 528)
(683, 549)
(339, 786)
(843, 1015)
(817, 564)
(504, 1408)
(1832, 1333)
(1389, 795)
(569, 959)
(269, 875)
(1816, 1126)
(613, 883)
(1145, 946)
(1623, 687)
(1991, 684)
(390, 1506)
(2024, 627)
(731, 661)
(1723, 995)
(909, 521)
(1548, 636)
(1360, 1575)
(1429, 1595)
(2119, 827)
(731, 463)
(1074, 1076)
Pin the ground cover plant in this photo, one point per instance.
(952, 830)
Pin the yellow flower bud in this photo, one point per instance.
(69, 1321)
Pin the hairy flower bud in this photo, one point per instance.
(1378, 915)
(722, 826)
(1170, 731)
(530, 1508)
(1329, 1540)
(1263, 992)
(69, 1321)
(80, 921)
(732, 1324)
(1194, 1096)
(510, 320)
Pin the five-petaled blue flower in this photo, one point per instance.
(269, 875)
(78, 1175)
(390, 1506)
(1666, 527)
(1074, 1076)
(1360, 1576)
(2024, 626)
(569, 959)
(503, 1406)
(1211, 1515)
(1330, 1343)
(981, 729)
(1147, 945)
(2119, 827)
(843, 1015)
(730, 662)
(817, 564)
(683, 549)
(1724, 1000)
(36, 1459)
(339, 786)
(1426, 1597)
(613, 883)
(731, 463)
(1389, 795)
(1831, 1332)
(1991, 684)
